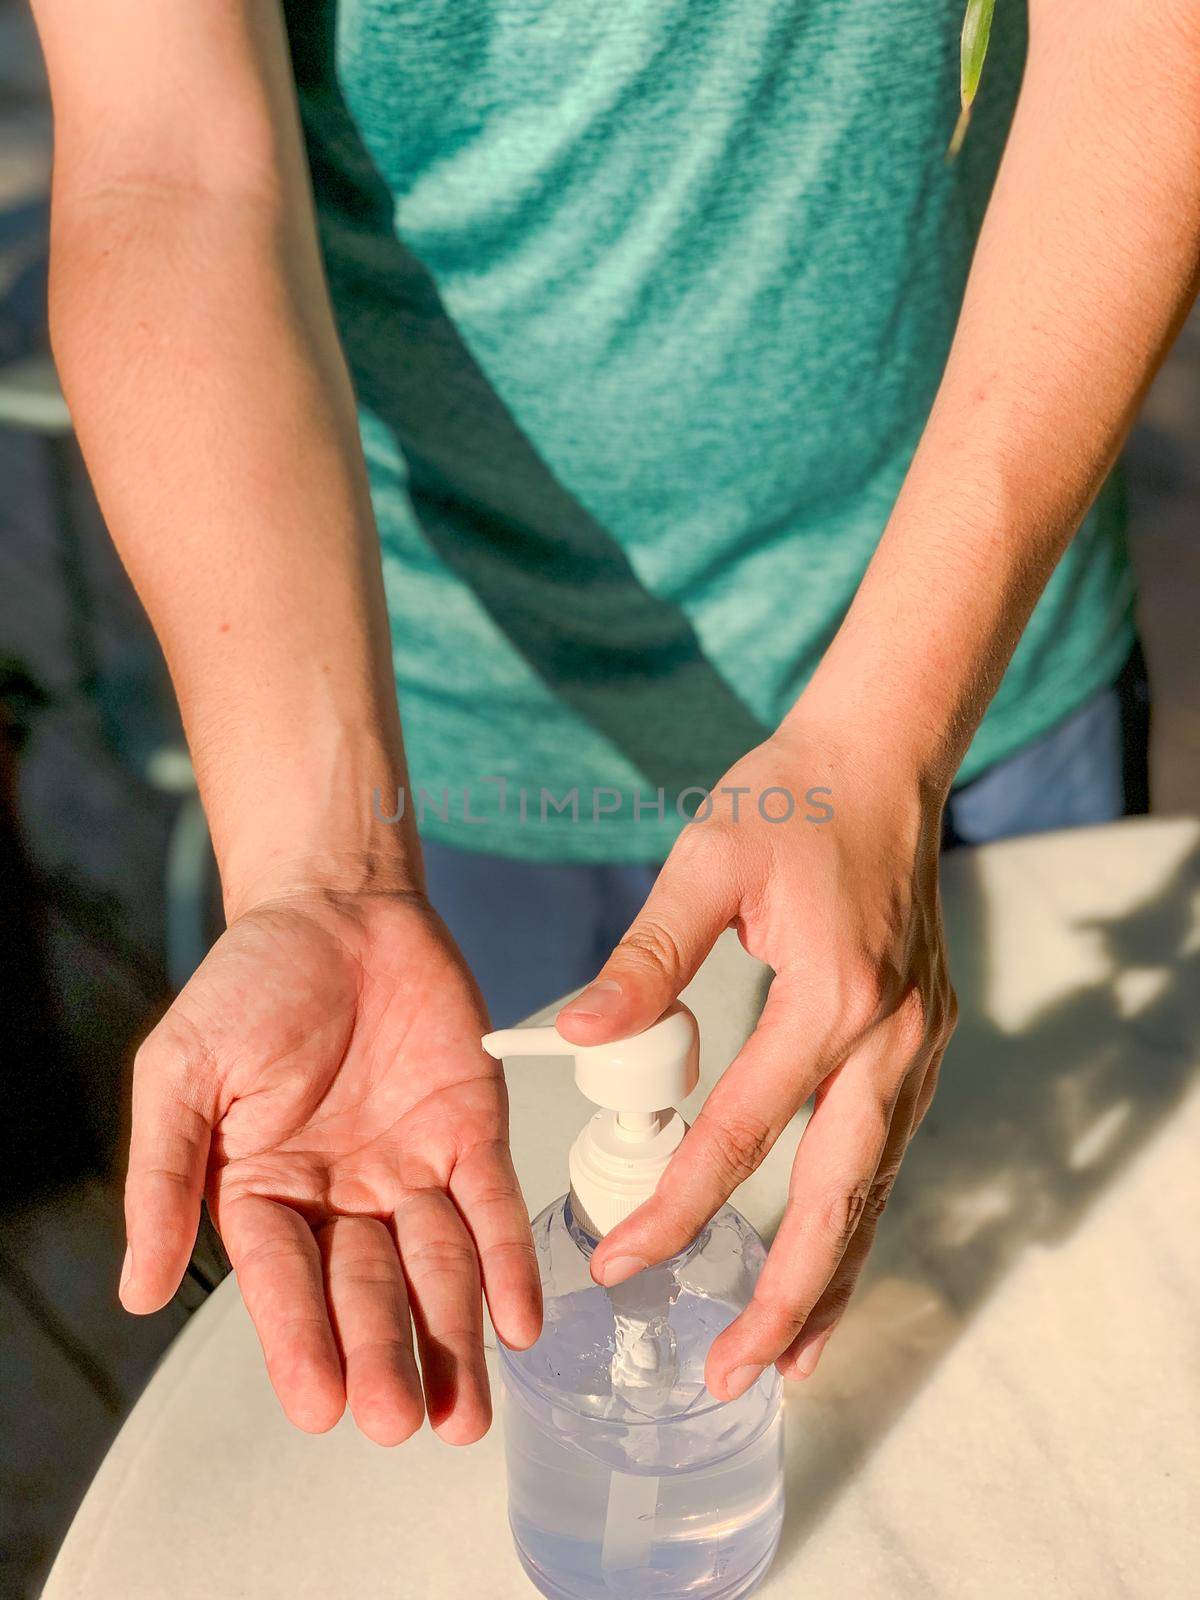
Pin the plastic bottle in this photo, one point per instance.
(625, 1476)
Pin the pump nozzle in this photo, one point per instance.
(545, 1041)
(644, 1072)
(619, 1156)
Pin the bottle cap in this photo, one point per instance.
(621, 1153)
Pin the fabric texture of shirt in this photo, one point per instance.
(646, 303)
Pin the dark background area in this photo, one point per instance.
(97, 816)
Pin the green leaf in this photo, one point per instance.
(976, 31)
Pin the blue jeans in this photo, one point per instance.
(533, 930)
(1091, 767)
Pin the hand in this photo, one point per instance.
(859, 1012)
(324, 1065)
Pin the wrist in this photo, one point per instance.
(894, 748)
(312, 815)
(323, 874)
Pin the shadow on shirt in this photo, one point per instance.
(554, 580)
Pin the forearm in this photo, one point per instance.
(212, 404)
(1085, 268)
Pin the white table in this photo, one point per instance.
(1011, 1407)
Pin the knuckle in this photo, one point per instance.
(877, 1196)
(740, 1144)
(387, 1345)
(436, 1257)
(835, 1301)
(869, 1123)
(364, 1256)
(722, 860)
(839, 1217)
(368, 1275)
(675, 1220)
(265, 1251)
(863, 996)
(489, 1202)
(699, 846)
(497, 1192)
(782, 1312)
(175, 1052)
(157, 1058)
(925, 1096)
(301, 1324)
(912, 1023)
(140, 1177)
(940, 1019)
(950, 1015)
(516, 1252)
(650, 943)
(458, 1335)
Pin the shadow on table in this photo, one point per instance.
(1025, 1133)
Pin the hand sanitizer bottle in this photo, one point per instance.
(625, 1476)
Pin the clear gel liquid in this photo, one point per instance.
(625, 1477)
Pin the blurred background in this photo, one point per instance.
(108, 892)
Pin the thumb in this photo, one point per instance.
(689, 905)
(173, 1110)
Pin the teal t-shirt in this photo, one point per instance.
(646, 303)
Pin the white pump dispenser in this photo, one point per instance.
(619, 1156)
(624, 1475)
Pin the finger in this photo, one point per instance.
(693, 899)
(278, 1268)
(173, 1109)
(832, 1185)
(928, 1089)
(485, 1189)
(800, 1359)
(749, 1108)
(442, 1271)
(368, 1303)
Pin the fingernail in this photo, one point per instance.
(740, 1379)
(809, 1354)
(600, 999)
(619, 1268)
(126, 1271)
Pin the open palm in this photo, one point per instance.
(321, 1079)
